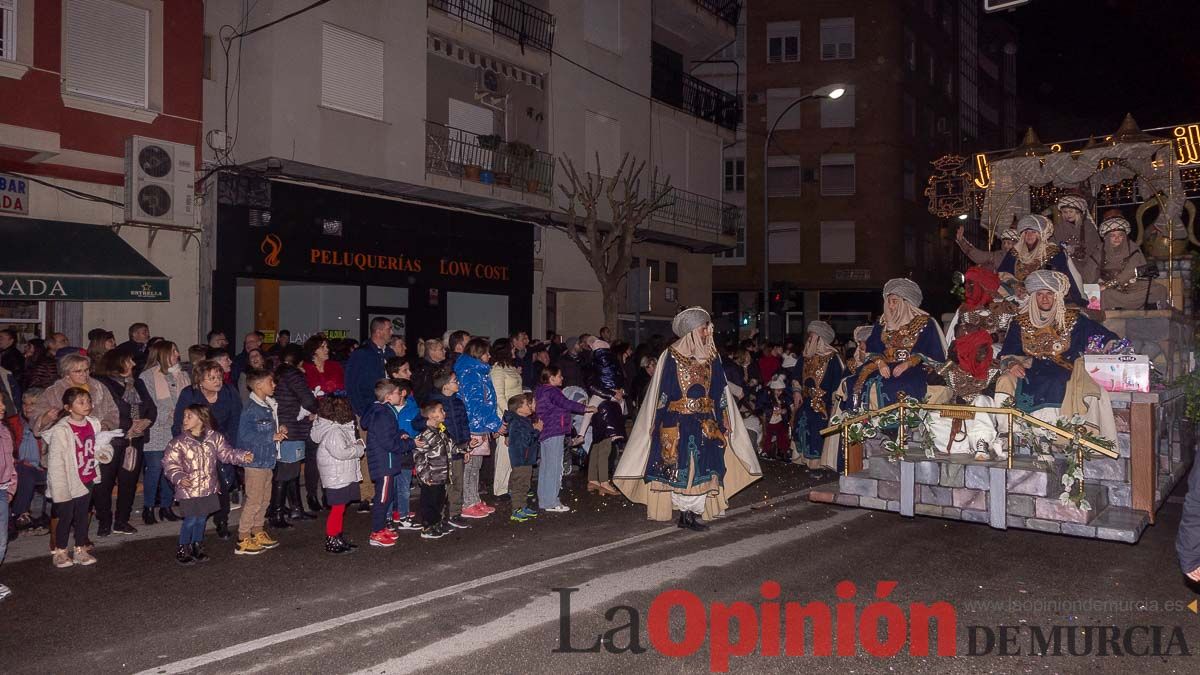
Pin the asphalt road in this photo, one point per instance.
(482, 600)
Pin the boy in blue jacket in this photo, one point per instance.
(445, 391)
(524, 433)
(259, 432)
(380, 421)
(408, 417)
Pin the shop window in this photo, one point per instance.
(837, 38)
(351, 72)
(783, 41)
(387, 296)
(481, 314)
(671, 273)
(106, 47)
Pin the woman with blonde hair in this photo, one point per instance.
(164, 379)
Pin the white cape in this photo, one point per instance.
(741, 463)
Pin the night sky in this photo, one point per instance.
(1084, 63)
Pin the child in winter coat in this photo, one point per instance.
(433, 469)
(479, 394)
(445, 386)
(338, 454)
(190, 464)
(76, 448)
(384, 460)
(523, 439)
(408, 417)
(556, 411)
(776, 411)
(260, 432)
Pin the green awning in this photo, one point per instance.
(56, 260)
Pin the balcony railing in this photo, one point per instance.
(518, 21)
(486, 159)
(697, 97)
(688, 209)
(728, 10)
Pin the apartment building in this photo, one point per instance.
(844, 178)
(84, 86)
(401, 159)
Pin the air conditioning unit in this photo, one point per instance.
(159, 182)
(489, 81)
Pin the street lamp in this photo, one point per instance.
(830, 91)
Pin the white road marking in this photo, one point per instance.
(599, 593)
(264, 642)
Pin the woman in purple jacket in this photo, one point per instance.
(555, 411)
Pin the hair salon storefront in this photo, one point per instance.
(314, 260)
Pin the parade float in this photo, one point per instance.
(1058, 477)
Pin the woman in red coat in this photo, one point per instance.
(324, 375)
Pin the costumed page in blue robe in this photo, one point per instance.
(1045, 382)
(815, 409)
(895, 347)
(1058, 263)
(688, 442)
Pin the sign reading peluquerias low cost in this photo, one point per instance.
(14, 194)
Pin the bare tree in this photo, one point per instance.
(609, 249)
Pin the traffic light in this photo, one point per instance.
(745, 319)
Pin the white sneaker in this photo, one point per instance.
(5, 591)
(561, 508)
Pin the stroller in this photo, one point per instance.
(577, 455)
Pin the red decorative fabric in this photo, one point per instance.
(980, 285)
(967, 350)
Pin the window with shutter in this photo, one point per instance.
(783, 41)
(837, 38)
(602, 24)
(777, 101)
(8, 30)
(783, 243)
(106, 51)
(838, 112)
(602, 134)
(837, 241)
(837, 174)
(783, 177)
(351, 72)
